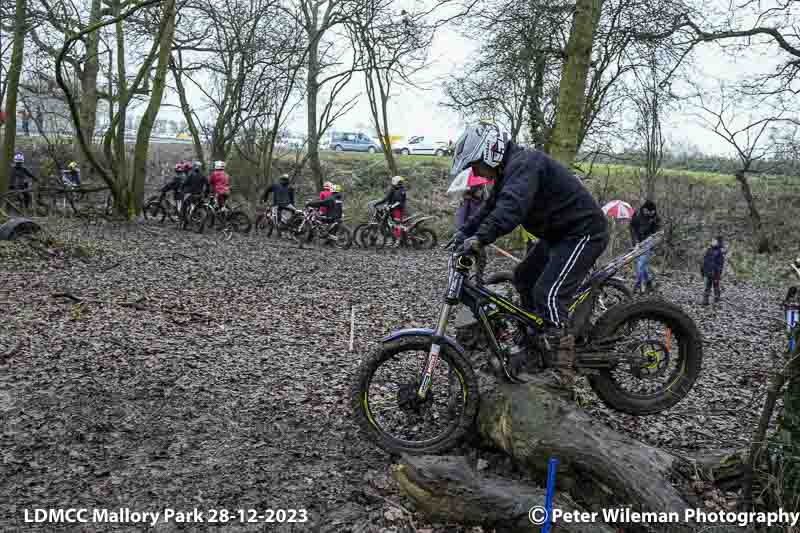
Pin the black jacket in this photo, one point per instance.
(175, 184)
(642, 227)
(282, 195)
(334, 203)
(396, 195)
(19, 177)
(714, 261)
(540, 194)
(196, 183)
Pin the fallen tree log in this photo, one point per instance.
(446, 489)
(599, 467)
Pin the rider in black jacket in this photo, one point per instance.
(282, 196)
(19, 179)
(533, 190)
(334, 203)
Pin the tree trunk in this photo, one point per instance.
(537, 125)
(187, 110)
(14, 72)
(150, 114)
(763, 244)
(572, 90)
(446, 489)
(598, 467)
(311, 99)
(91, 69)
(120, 162)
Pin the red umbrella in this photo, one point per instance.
(618, 209)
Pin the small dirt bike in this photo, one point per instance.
(641, 357)
(334, 233)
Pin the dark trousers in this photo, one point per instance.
(552, 271)
(712, 281)
(24, 195)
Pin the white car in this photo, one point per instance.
(421, 145)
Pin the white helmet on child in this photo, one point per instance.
(397, 180)
(219, 165)
(327, 186)
(19, 158)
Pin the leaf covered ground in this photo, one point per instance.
(197, 373)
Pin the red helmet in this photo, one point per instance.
(179, 166)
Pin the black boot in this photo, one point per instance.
(558, 347)
(705, 298)
(649, 285)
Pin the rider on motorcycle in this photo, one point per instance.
(282, 197)
(536, 191)
(331, 203)
(220, 183)
(395, 199)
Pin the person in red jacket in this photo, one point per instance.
(220, 183)
(327, 190)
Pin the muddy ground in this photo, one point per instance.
(224, 380)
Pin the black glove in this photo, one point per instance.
(455, 241)
(471, 245)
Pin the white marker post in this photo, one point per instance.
(352, 326)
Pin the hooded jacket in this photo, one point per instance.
(19, 177)
(395, 198)
(714, 261)
(642, 226)
(282, 195)
(220, 182)
(332, 204)
(540, 194)
(196, 183)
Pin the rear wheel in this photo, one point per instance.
(422, 239)
(152, 208)
(658, 352)
(389, 411)
(200, 216)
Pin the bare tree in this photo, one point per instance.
(748, 143)
(126, 182)
(14, 72)
(326, 67)
(392, 48)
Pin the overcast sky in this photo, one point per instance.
(417, 111)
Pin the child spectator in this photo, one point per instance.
(713, 265)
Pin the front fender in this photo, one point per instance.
(422, 332)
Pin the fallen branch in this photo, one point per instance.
(506, 254)
(132, 305)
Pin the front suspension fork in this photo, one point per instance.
(433, 355)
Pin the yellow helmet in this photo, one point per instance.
(72, 165)
(337, 188)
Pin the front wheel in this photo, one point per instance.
(239, 222)
(387, 407)
(658, 353)
(340, 237)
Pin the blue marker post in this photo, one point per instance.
(552, 466)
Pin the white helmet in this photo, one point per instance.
(397, 180)
(19, 158)
(219, 165)
(327, 186)
(479, 142)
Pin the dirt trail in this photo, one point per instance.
(244, 404)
